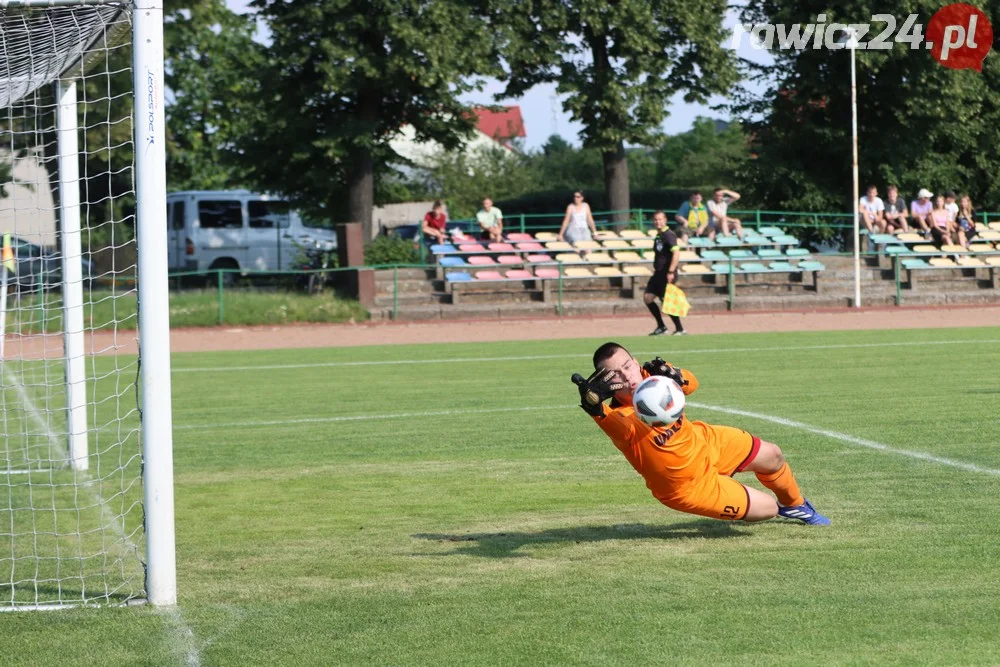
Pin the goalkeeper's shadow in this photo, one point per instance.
(508, 544)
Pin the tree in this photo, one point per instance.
(211, 62)
(619, 63)
(340, 79)
(462, 179)
(919, 124)
(704, 155)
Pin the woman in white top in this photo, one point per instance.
(578, 224)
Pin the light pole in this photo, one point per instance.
(850, 41)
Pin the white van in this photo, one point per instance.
(237, 229)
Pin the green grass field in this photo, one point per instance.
(106, 309)
(449, 504)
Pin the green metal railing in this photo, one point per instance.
(898, 269)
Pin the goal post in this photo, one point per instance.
(86, 462)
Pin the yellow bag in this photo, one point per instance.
(675, 302)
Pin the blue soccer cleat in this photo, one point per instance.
(805, 513)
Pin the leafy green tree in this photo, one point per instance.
(618, 63)
(340, 79)
(211, 62)
(463, 179)
(920, 124)
(703, 155)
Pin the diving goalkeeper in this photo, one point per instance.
(688, 466)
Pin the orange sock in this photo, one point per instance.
(784, 486)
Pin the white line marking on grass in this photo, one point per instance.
(181, 635)
(844, 437)
(184, 640)
(543, 357)
(836, 435)
(386, 415)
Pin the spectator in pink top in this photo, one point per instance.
(941, 224)
(920, 210)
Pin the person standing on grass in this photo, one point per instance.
(689, 465)
(667, 254)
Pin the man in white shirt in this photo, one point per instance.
(872, 211)
(950, 205)
(490, 220)
(920, 211)
(718, 208)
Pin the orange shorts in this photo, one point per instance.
(718, 495)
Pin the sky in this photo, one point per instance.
(543, 114)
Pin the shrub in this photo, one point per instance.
(390, 250)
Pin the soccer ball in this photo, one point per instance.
(658, 401)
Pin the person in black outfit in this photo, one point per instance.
(668, 253)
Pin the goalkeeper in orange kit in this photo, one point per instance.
(688, 466)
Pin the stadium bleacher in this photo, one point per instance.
(541, 259)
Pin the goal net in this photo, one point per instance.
(73, 526)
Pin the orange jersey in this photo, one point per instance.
(682, 463)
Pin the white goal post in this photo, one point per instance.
(86, 462)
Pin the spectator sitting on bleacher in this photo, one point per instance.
(920, 210)
(718, 212)
(578, 223)
(966, 221)
(692, 217)
(950, 205)
(872, 211)
(941, 223)
(895, 211)
(490, 221)
(434, 224)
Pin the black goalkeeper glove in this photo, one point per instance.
(596, 389)
(659, 367)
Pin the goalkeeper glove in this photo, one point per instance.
(659, 367)
(596, 389)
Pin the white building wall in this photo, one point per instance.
(29, 211)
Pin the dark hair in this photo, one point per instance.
(693, 193)
(658, 211)
(892, 186)
(949, 193)
(716, 190)
(871, 187)
(605, 352)
(578, 192)
(437, 204)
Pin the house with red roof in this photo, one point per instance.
(494, 129)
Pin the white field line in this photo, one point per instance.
(353, 418)
(181, 635)
(835, 435)
(542, 357)
(850, 439)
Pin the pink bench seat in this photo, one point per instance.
(520, 274)
(520, 236)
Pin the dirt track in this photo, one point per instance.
(348, 335)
